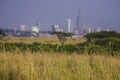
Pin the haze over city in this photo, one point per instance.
(93, 13)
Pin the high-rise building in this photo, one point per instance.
(23, 28)
(90, 30)
(56, 28)
(78, 24)
(98, 29)
(68, 25)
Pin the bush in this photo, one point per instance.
(113, 43)
(101, 35)
(109, 45)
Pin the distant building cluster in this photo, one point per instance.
(35, 30)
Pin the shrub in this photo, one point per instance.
(100, 35)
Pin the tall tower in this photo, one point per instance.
(78, 24)
(68, 24)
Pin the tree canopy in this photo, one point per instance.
(62, 36)
(102, 34)
(2, 34)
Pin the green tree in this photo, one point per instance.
(2, 34)
(100, 35)
(62, 36)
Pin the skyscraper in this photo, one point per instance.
(78, 24)
(68, 25)
(56, 28)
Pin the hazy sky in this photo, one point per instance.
(94, 13)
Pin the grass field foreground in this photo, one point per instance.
(58, 66)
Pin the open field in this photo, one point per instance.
(48, 61)
(43, 40)
(58, 66)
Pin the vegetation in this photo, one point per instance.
(2, 34)
(104, 46)
(78, 48)
(97, 58)
(28, 40)
(104, 40)
(101, 35)
(62, 36)
(54, 66)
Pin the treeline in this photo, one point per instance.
(106, 41)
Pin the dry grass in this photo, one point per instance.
(43, 40)
(58, 66)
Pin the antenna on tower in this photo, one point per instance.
(38, 24)
(79, 13)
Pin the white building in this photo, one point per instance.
(35, 29)
(23, 28)
(56, 28)
(68, 25)
(98, 29)
(108, 29)
(90, 30)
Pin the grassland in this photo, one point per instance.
(58, 66)
(43, 40)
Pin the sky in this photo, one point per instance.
(93, 13)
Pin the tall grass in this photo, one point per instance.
(58, 66)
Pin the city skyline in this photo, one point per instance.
(94, 13)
